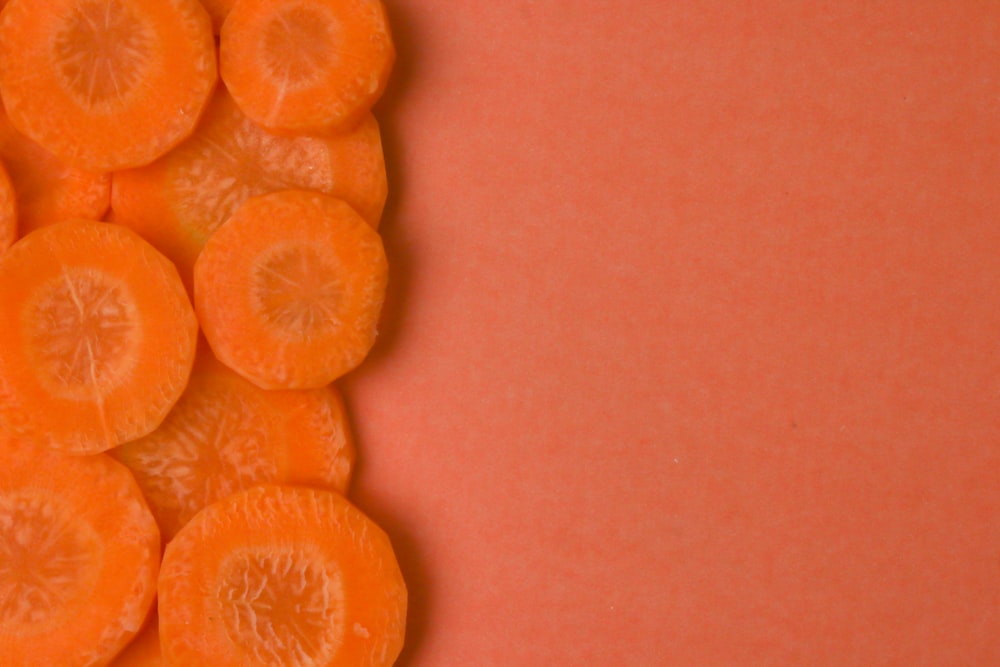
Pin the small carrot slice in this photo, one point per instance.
(79, 557)
(281, 576)
(8, 210)
(177, 202)
(48, 190)
(100, 337)
(144, 650)
(289, 290)
(106, 84)
(226, 434)
(218, 10)
(306, 65)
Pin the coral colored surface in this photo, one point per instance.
(691, 355)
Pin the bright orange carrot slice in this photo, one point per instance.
(144, 650)
(306, 65)
(218, 10)
(79, 556)
(177, 202)
(225, 435)
(106, 84)
(99, 337)
(289, 290)
(47, 189)
(281, 576)
(8, 210)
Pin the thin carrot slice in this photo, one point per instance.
(106, 84)
(144, 650)
(99, 338)
(79, 557)
(48, 190)
(306, 65)
(289, 290)
(218, 10)
(177, 202)
(281, 576)
(8, 211)
(226, 434)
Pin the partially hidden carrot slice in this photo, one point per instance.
(306, 65)
(99, 337)
(177, 202)
(281, 576)
(225, 435)
(218, 10)
(47, 189)
(8, 210)
(289, 290)
(79, 557)
(106, 84)
(144, 650)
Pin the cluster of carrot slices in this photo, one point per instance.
(189, 259)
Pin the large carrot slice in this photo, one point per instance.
(106, 84)
(225, 435)
(47, 189)
(79, 555)
(177, 202)
(99, 336)
(306, 65)
(289, 290)
(8, 210)
(281, 576)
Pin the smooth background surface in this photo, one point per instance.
(691, 356)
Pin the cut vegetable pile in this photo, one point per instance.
(189, 260)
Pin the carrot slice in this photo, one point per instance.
(106, 84)
(47, 189)
(79, 557)
(8, 210)
(144, 650)
(281, 576)
(289, 290)
(225, 434)
(177, 202)
(218, 10)
(100, 336)
(306, 65)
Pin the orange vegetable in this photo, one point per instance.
(144, 650)
(218, 10)
(8, 211)
(288, 292)
(104, 341)
(306, 65)
(281, 576)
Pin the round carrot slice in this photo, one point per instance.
(306, 65)
(106, 84)
(8, 210)
(79, 555)
(177, 202)
(281, 576)
(99, 336)
(289, 290)
(226, 434)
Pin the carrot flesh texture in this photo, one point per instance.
(8, 210)
(47, 189)
(106, 84)
(306, 65)
(177, 202)
(101, 337)
(289, 291)
(144, 650)
(79, 557)
(226, 434)
(318, 578)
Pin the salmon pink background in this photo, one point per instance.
(691, 353)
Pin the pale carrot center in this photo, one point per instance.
(102, 51)
(297, 44)
(297, 290)
(82, 332)
(283, 606)
(48, 557)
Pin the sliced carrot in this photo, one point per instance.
(48, 190)
(218, 10)
(225, 434)
(79, 557)
(144, 650)
(281, 576)
(177, 202)
(306, 65)
(100, 336)
(288, 292)
(106, 84)
(8, 210)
